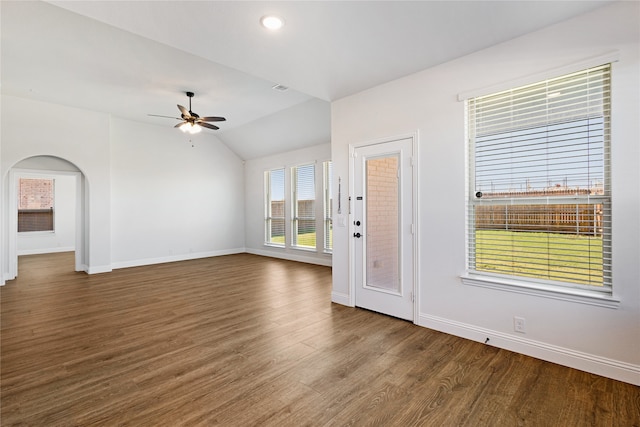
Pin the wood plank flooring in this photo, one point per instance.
(243, 340)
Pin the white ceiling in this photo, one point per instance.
(134, 58)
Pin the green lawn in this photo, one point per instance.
(306, 240)
(277, 239)
(570, 258)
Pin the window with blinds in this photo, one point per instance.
(328, 207)
(539, 203)
(274, 207)
(304, 196)
(36, 204)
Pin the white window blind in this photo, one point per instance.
(539, 203)
(304, 195)
(328, 207)
(274, 207)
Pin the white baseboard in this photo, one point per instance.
(98, 269)
(326, 261)
(598, 365)
(340, 298)
(45, 250)
(175, 258)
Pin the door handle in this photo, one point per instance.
(357, 235)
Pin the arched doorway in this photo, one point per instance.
(47, 166)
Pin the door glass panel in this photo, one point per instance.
(382, 209)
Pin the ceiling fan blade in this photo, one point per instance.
(184, 111)
(207, 125)
(212, 119)
(166, 117)
(179, 124)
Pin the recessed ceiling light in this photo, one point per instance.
(272, 22)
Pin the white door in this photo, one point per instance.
(383, 228)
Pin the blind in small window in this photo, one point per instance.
(275, 226)
(539, 168)
(328, 206)
(304, 206)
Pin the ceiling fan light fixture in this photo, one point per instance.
(272, 22)
(192, 122)
(190, 127)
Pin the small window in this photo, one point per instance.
(304, 208)
(539, 202)
(274, 207)
(35, 205)
(328, 207)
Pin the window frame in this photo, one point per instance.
(588, 294)
(295, 218)
(268, 208)
(327, 176)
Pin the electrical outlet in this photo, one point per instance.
(519, 325)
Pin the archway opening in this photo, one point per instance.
(68, 235)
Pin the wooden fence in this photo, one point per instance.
(579, 219)
(575, 219)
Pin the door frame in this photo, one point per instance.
(413, 136)
(13, 176)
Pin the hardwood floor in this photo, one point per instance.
(243, 340)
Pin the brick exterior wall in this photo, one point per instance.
(382, 223)
(35, 193)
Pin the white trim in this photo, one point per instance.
(610, 368)
(342, 299)
(175, 258)
(582, 296)
(323, 260)
(351, 297)
(45, 250)
(98, 269)
(612, 56)
(415, 162)
(81, 203)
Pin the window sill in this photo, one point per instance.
(36, 233)
(581, 296)
(304, 248)
(274, 245)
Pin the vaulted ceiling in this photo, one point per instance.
(135, 58)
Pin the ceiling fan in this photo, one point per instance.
(191, 122)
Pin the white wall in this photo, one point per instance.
(79, 136)
(597, 339)
(170, 200)
(150, 196)
(63, 236)
(254, 223)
